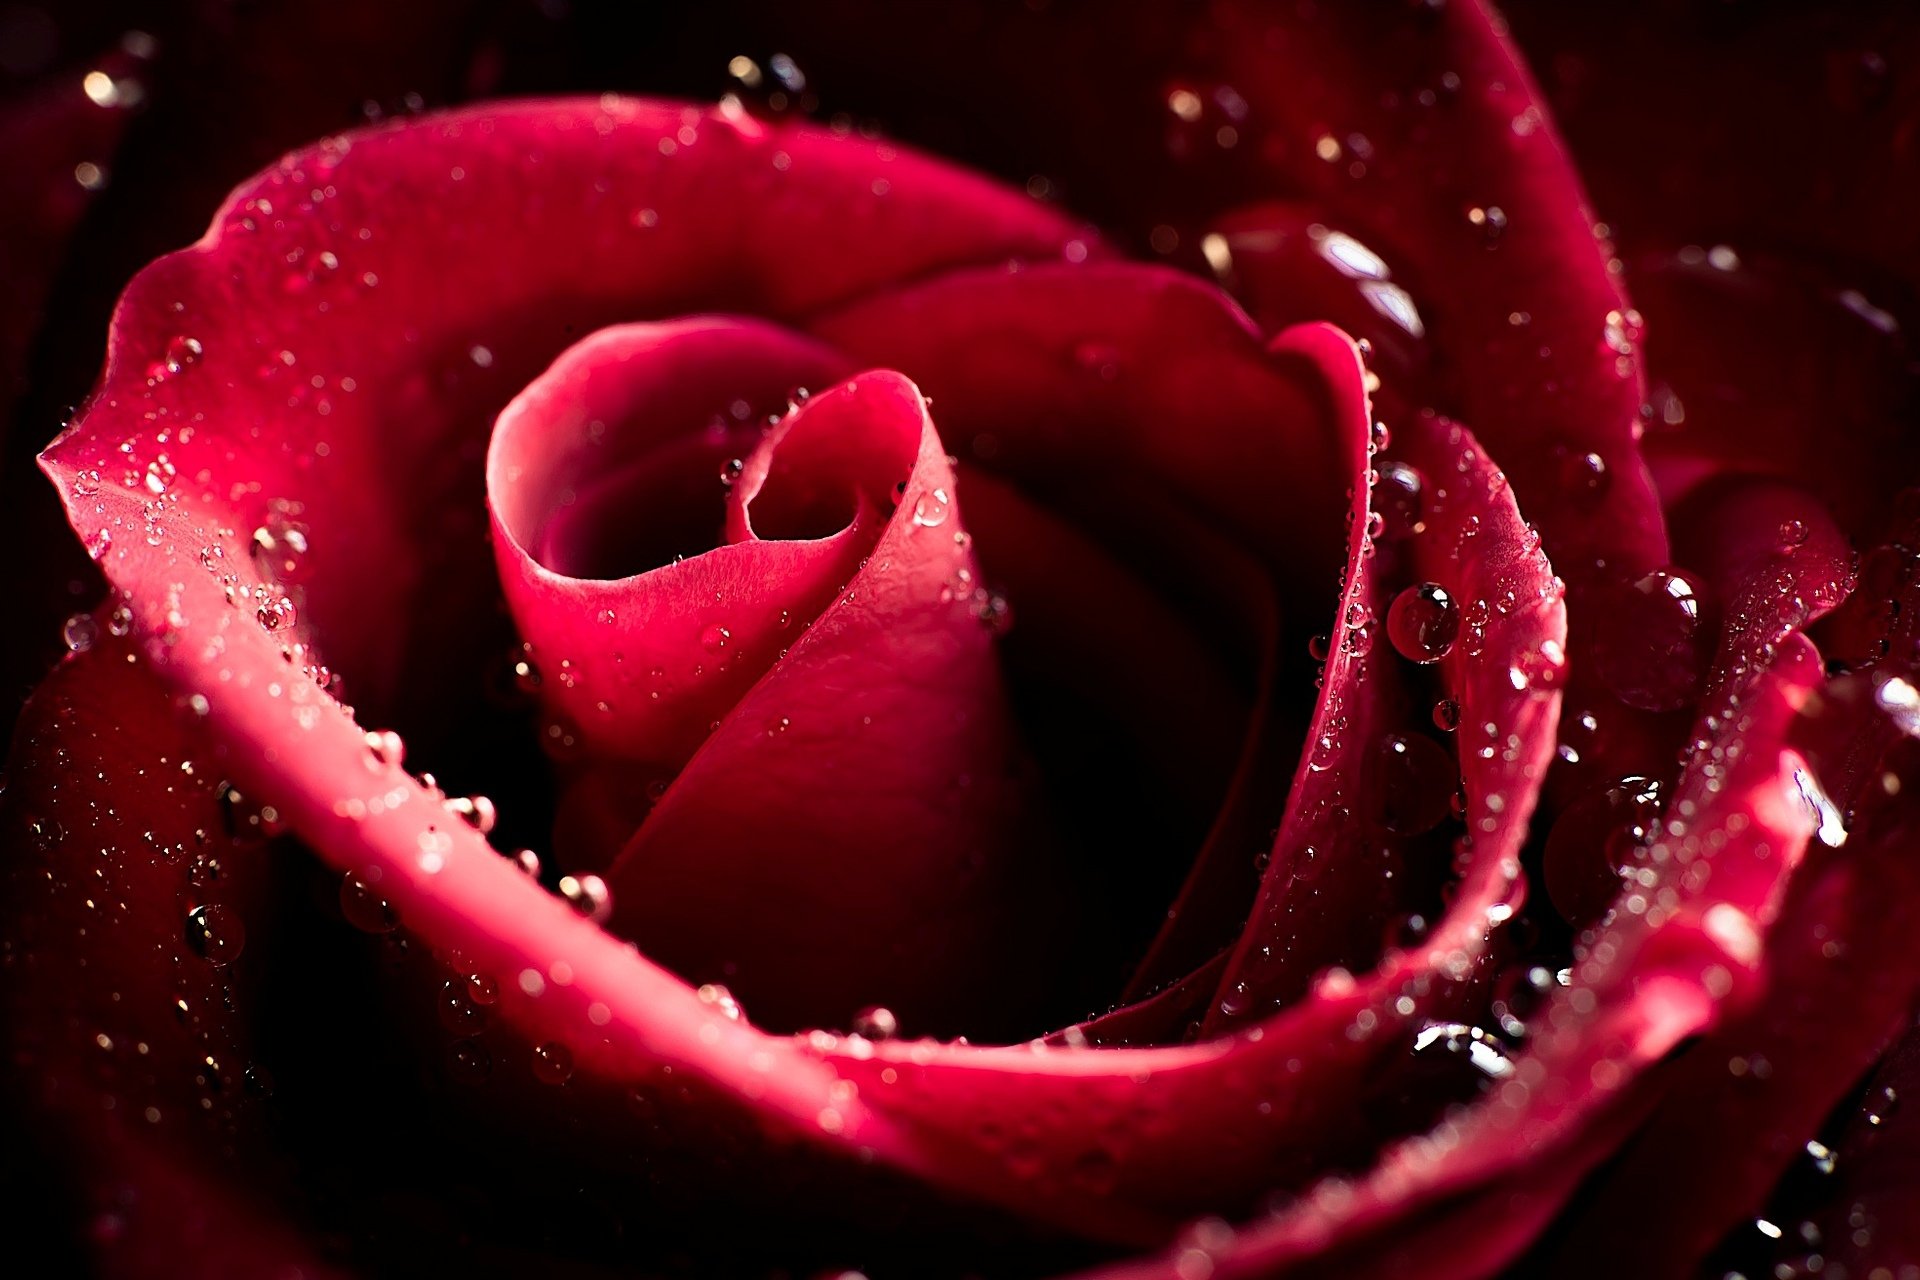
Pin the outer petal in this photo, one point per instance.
(248, 377)
(135, 900)
(1468, 1198)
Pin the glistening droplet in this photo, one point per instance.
(1423, 623)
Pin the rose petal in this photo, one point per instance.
(1086, 1137)
(199, 349)
(134, 904)
(1467, 1198)
(855, 831)
(621, 443)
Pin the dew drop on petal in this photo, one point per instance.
(79, 632)
(930, 508)
(1399, 495)
(720, 998)
(588, 895)
(876, 1022)
(1651, 645)
(386, 746)
(552, 1063)
(216, 934)
(365, 909)
(1423, 622)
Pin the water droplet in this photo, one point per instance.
(1650, 646)
(386, 746)
(275, 612)
(1584, 477)
(1491, 220)
(552, 1063)
(477, 812)
(1446, 715)
(458, 1013)
(1518, 994)
(730, 471)
(216, 934)
(482, 990)
(79, 632)
(1540, 668)
(204, 871)
(930, 508)
(715, 638)
(120, 620)
(588, 895)
(1399, 495)
(1405, 930)
(364, 909)
(181, 352)
(876, 1022)
(720, 998)
(279, 550)
(1423, 623)
(529, 863)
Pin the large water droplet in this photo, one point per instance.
(279, 550)
(876, 1023)
(79, 632)
(1650, 643)
(1399, 495)
(552, 1063)
(216, 934)
(930, 508)
(1423, 622)
(365, 909)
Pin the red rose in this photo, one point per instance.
(988, 739)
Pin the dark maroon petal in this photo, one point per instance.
(1463, 175)
(1839, 975)
(1086, 1138)
(1800, 123)
(134, 901)
(1750, 352)
(1863, 1209)
(1287, 266)
(1120, 395)
(1467, 1198)
(1503, 678)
